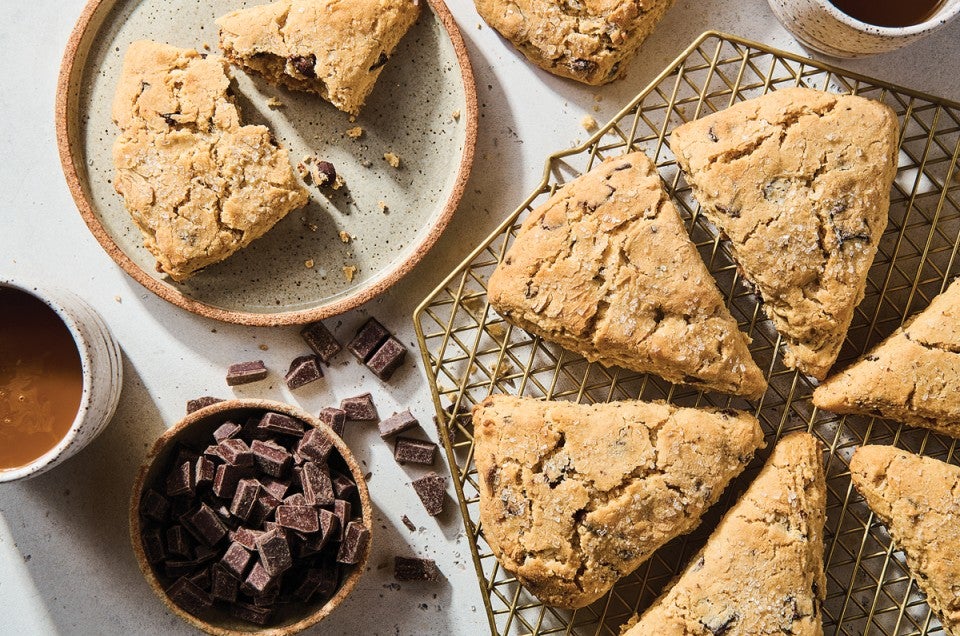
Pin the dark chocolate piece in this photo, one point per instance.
(258, 580)
(360, 408)
(329, 579)
(407, 569)
(343, 486)
(303, 371)
(205, 471)
(274, 552)
(410, 525)
(189, 595)
(342, 509)
(275, 487)
(205, 554)
(334, 418)
(315, 445)
(387, 359)
(329, 527)
(251, 613)
(244, 498)
(175, 568)
(431, 488)
(227, 477)
(246, 372)
(236, 559)
(206, 526)
(326, 174)
(236, 452)
(415, 451)
(201, 578)
(317, 485)
(227, 430)
(397, 423)
(321, 341)
(154, 506)
(268, 597)
(282, 424)
(355, 541)
(368, 339)
(177, 542)
(246, 537)
(309, 585)
(201, 402)
(224, 586)
(152, 542)
(271, 458)
(301, 518)
(180, 480)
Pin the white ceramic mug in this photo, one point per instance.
(821, 26)
(102, 368)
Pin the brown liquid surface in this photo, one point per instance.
(889, 13)
(41, 378)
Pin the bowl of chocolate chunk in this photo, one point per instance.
(251, 516)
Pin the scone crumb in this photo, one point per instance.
(206, 47)
(308, 263)
(382, 205)
(302, 171)
(392, 159)
(274, 102)
(349, 271)
(117, 299)
(355, 133)
(353, 118)
(589, 123)
(456, 115)
(264, 347)
(366, 163)
(345, 237)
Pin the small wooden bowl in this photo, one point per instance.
(197, 428)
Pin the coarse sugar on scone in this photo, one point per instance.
(198, 183)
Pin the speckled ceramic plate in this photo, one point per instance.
(410, 113)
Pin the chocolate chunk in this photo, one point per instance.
(267, 598)
(321, 341)
(236, 452)
(397, 423)
(317, 486)
(303, 371)
(275, 487)
(416, 451)
(223, 585)
(205, 525)
(304, 64)
(227, 477)
(330, 528)
(315, 445)
(387, 359)
(180, 480)
(205, 554)
(355, 541)
(330, 579)
(309, 585)
(201, 402)
(274, 552)
(410, 525)
(406, 569)
(152, 542)
(334, 418)
(343, 486)
(251, 613)
(368, 339)
(246, 372)
(271, 458)
(236, 559)
(296, 499)
(327, 173)
(258, 580)
(227, 430)
(244, 498)
(302, 518)
(204, 472)
(154, 506)
(189, 595)
(381, 60)
(246, 537)
(581, 65)
(174, 569)
(343, 511)
(177, 542)
(282, 424)
(360, 408)
(431, 489)
(201, 578)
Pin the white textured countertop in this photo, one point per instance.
(65, 562)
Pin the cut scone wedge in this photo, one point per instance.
(605, 268)
(761, 571)
(916, 498)
(912, 377)
(573, 497)
(333, 48)
(198, 183)
(799, 181)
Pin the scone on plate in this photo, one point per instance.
(573, 497)
(605, 268)
(198, 183)
(333, 48)
(799, 180)
(912, 377)
(591, 42)
(916, 498)
(761, 571)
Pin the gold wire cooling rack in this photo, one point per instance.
(470, 352)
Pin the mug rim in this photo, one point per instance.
(83, 351)
(945, 15)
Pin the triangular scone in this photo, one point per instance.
(799, 180)
(605, 268)
(761, 571)
(332, 48)
(198, 183)
(916, 498)
(913, 376)
(573, 497)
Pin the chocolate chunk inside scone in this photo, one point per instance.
(761, 571)
(573, 497)
(198, 183)
(916, 498)
(332, 48)
(590, 41)
(605, 268)
(912, 377)
(799, 180)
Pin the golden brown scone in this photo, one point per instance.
(198, 184)
(912, 377)
(334, 48)
(761, 571)
(916, 498)
(605, 268)
(574, 497)
(799, 180)
(590, 41)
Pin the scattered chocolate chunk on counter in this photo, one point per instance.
(415, 451)
(201, 402)
(431, 488)
(303, 371)
(368, 339)
(321, 341)
(246, 372)
(397, 423)
(376, 347)
(360, 408)
(412, 569)
(387, 359)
